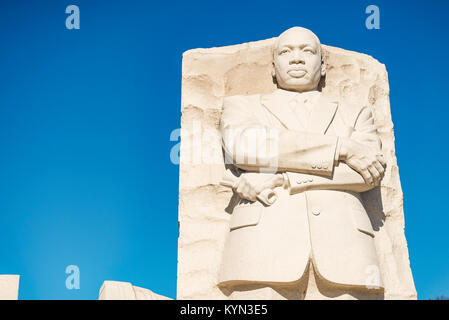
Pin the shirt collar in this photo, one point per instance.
(311, 97)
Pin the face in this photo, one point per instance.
(297, 60)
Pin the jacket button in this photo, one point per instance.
(316, 212)
(313, 166)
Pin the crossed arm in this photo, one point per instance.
(307, 161)
(350, 174)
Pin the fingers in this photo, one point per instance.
(365, 170)
(370, 166)
(380, 168)
(362, 169)
(380, 158)
(374, 174)
(377, 168)
(251, 185)
(245, 190)
(367, 176)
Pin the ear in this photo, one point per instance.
(273, 68)
(323, 68)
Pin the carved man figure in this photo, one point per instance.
(316, 240)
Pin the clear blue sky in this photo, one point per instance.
(86, 115)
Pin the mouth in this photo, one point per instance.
(297, 73)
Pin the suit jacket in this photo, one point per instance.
(321, 215)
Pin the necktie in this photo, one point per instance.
(301, 111)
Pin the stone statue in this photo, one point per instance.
(298, 162)
(289, 186)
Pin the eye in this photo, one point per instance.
(284, 51)
(309, 50)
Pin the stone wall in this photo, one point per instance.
(9, 287)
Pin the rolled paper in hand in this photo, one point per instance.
(267, 196)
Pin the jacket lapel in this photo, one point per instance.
(277, 104)
(320, 118)
(322, 115)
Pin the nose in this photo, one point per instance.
(297, 57)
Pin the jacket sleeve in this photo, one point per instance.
(250, 144)
(343, 177)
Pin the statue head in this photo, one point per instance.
(297, 62)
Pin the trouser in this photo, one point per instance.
(310, 287)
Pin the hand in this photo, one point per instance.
(370, 165)
(251, 184)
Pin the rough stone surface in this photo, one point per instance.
(9, 287)
(208, 75)
(118, 290)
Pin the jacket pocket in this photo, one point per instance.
(246, 215)
(362, 222)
